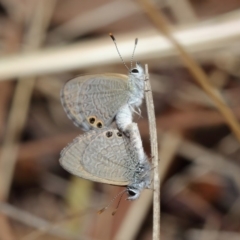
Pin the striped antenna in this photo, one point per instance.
(135, 45)
(105, 208)
(114, 41)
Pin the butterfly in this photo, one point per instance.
(95, 101)
(108, 156)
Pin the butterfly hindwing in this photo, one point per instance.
(101, 156)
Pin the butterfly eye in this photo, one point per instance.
(119, 134)
(135, 70)
(131, 193)
(109, 134)
(99, 125)
(92, 120)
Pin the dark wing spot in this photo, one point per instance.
(109, 134)
(92, 120)
(119, 134)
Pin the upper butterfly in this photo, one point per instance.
(94, 101)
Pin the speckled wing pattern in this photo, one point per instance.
(101, 156)
(98, 95)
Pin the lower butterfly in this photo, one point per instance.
(108, 156)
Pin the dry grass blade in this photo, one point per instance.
(135, 217)
(199, 75)
(154, 152)
(20, 105)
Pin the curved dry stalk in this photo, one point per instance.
(154, 152)
(199, 75)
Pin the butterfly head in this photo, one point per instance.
(136, 83)
(137, 71)
(142, 180)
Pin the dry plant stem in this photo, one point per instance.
(21, 100)
(199, 75)
(183, 11)
(135, 217)
(16, 121)
(221, 32)
(154, 152)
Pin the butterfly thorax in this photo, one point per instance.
(136, 87)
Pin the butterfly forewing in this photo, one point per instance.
(99, 96)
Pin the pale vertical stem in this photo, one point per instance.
(154, 152)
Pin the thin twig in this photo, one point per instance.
(199, 75)
(154, 152)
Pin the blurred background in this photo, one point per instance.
(44, 43)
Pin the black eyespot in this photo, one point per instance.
(99, 125)
(109, 134)
(135, 70)
(92, 120)
(119, 134)
(131, 193)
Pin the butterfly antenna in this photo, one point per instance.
(105, 208)
(115, 42)
(114, 212)
(135, 45)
